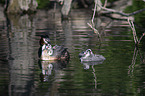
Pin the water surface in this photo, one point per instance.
(122, 73)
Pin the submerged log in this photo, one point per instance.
(20, 6)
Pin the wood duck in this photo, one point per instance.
(89, 56)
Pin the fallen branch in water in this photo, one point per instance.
(120, 12)
(105, 4)
(95, 30)
(94, 14)
(143, 34)
(99, 3)
(136, 40)
(133, 30)
(107, 10)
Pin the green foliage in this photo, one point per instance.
(139, 18)
(137, 5)
(43, 4)
(128, 9)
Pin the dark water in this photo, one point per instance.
(22, 74)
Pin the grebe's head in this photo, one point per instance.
(44, 40)
(86, 53)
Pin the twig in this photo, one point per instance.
(105, 4)
(95, 30)
(131, 67)
(96, 8)
(133, 29)
(141, 37)
(120, 12)
(134, 32)
(94, 13)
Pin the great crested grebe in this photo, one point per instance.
(47, 52)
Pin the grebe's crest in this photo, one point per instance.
(44, 40)
(86, 53)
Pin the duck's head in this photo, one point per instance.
(44, 40)
(86, 53)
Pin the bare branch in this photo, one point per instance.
(122, 13)
(141, 37)
(99, 5)
(94, 13)
(105, 4)
(96, 8)
(107, 10)
(95, 30)
(134, 31)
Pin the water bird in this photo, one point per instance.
(88, 55)
(47, 52)
(53, 53)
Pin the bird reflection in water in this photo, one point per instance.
(49, 68)
(88, 58)
(87, 65)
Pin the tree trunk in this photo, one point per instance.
(66, 8)
(20, 6)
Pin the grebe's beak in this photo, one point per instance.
(46, 40)
(81, 54)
